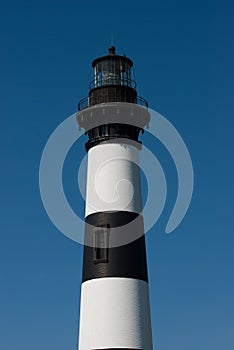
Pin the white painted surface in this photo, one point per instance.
(113, 179)
(115, 313)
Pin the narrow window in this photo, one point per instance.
(101, 244)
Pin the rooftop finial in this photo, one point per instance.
(112, 50)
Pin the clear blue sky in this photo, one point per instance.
(183, 54)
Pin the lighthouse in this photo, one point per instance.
(114, 305)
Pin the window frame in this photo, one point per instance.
(101, 253)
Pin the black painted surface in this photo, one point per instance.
(112, 93)
(127, 260)
(113, 131)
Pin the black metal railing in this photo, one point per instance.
(142, 102)
(84, 103)
(112, 80)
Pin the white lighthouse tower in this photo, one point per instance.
(114, 309)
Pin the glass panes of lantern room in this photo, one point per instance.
(113, 72)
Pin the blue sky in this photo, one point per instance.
(183, 56)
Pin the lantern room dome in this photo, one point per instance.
(112, 56)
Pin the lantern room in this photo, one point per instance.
(113, 79)
(112, 70)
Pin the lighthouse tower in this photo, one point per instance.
(114, 309)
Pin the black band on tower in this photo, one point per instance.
(113, 131)
(128, 260)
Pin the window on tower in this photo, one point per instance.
(101, 244)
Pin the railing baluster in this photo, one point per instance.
(84, 103)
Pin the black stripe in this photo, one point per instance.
(113, 131)
(127, 260)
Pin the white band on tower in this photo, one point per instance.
(113, 179)
(115, 314)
